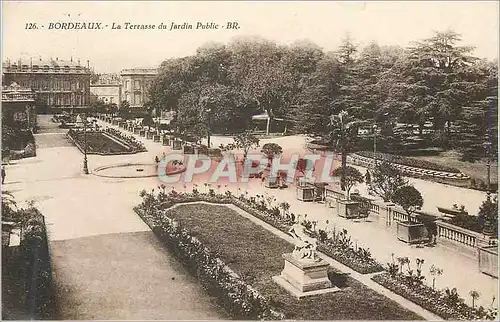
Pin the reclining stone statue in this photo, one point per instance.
(305, 246)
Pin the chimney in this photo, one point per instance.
(88, 64)
(57, 58)
(71, 58)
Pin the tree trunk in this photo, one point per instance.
(344, 166)
(420, 129)
(268, 124)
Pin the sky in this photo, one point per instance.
(323, 22)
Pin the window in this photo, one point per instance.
(46, 68)
(137, 84)
(137, 99)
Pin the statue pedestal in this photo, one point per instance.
(304, 277)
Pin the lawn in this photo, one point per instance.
(255, 254)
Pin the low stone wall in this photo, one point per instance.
(408, 171)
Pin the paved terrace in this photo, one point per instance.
(107, 264)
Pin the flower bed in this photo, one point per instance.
(100, 143)
(255, 254)
(136, 145)
(447, 304)
(338, 247)
(237, 297)
(406, 161)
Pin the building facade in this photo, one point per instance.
(107, 88)
(18, 107)
(61, 85)
(136, 83)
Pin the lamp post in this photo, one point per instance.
(85, 164)
(375, 143)
(487, 146)
(208, 110)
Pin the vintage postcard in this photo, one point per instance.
(219, 160)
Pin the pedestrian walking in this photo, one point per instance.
(157, 160)
(3, 174)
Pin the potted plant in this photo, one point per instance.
(410, 200)
(346, 207)
(271, 150)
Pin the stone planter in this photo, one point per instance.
(305, 193)
(166, 141)
(271, 182)
(137, 130)
(411, 232)
(348, 209)
(488, 260)
(142, 133)
(156, 138)
(176, 145)
(188, 149)
(149, 135)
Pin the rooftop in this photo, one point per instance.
(44, 65)
(139, 71)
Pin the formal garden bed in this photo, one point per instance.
(338, 245)
(406, 161)
(409, 283)
(27, 289)
(254, 254)
(98, 142)
(137, 145)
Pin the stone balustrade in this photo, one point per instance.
(458, 235)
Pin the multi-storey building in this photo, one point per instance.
(107, 88)
(18, 107)
(61, 85)
(135, 85)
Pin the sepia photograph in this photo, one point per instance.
(249, 160)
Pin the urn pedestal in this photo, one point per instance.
(488, 260)
(305, 278)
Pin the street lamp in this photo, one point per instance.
(208, 110)
(487, 146)
(85, 164)
(375, 143)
